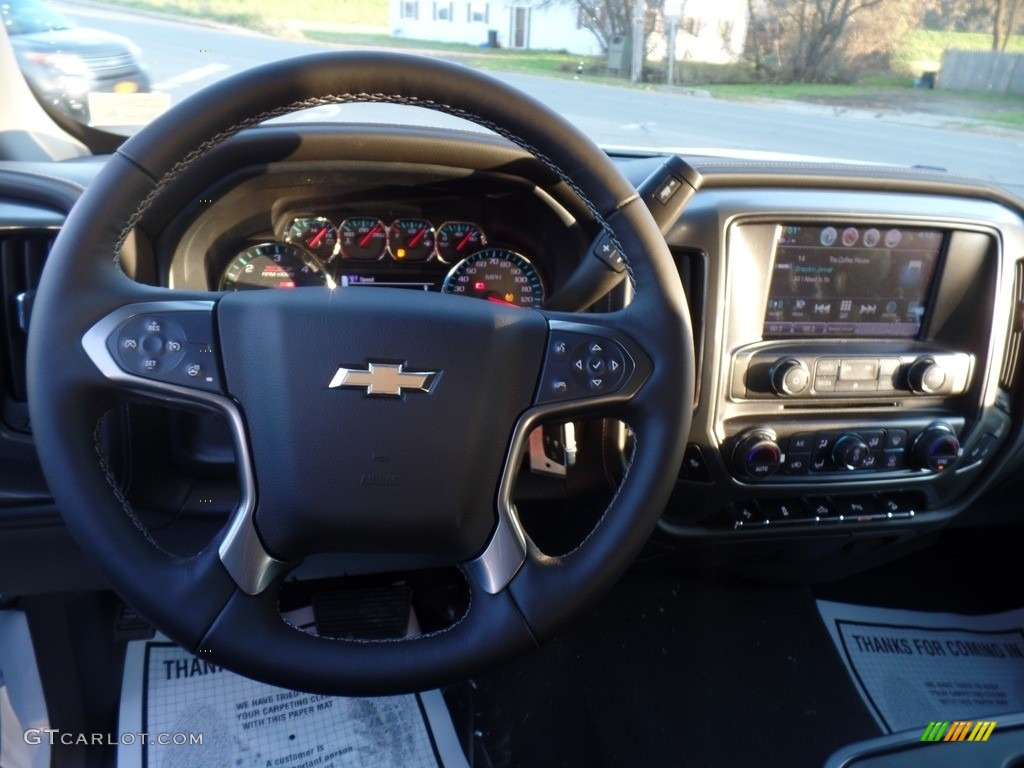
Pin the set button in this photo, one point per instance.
(174, 347)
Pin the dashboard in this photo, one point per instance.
(857, 329)
(491, 239)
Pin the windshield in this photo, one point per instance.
(26, 18)
(902, 83)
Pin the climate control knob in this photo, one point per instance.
(850, 452)
(927, 376)
(790, 377)
(936, 448)
(757, 455)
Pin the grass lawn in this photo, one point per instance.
(270, 15)
(922, 49)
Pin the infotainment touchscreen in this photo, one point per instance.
(851, 280)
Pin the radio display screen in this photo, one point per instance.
(851, 280)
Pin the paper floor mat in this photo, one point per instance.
(171, 700)
(913, 668)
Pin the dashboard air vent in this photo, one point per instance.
(1009, 374)
(22, 255)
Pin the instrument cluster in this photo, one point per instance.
(410, 252)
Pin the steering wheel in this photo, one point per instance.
(364, 421)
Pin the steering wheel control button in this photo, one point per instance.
(605, 250)
(581, 366)
(175, 347)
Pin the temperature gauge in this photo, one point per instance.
(315, 234)
(458, 239)
(411, 240)
(363, 238)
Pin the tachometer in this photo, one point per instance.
(273, 265)
(499, 275)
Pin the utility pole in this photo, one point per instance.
(673, 15)
(638, 41)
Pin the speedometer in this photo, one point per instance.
(499, 275)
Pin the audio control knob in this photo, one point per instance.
(757, 455)
(927, 376)
(850, 452)
(790, 377)
(936, 448)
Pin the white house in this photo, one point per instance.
(710, 30)
(553, 26)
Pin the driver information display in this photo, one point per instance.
(848, 281)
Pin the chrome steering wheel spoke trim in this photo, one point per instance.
(157, 329)
(568, 342)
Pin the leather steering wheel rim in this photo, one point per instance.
(196, 601)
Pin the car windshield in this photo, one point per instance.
(21, 18)
(903, 83)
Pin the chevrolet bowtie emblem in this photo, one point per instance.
(384, 379)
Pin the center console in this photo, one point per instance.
(855, 356)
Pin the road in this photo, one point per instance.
(183, 57)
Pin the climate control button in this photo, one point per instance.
(850, 452)
(757, 454)
(937, 448)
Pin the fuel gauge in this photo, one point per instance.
(315, 234)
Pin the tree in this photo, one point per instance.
(606, 19)
(832, 40)
(1004, 22)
